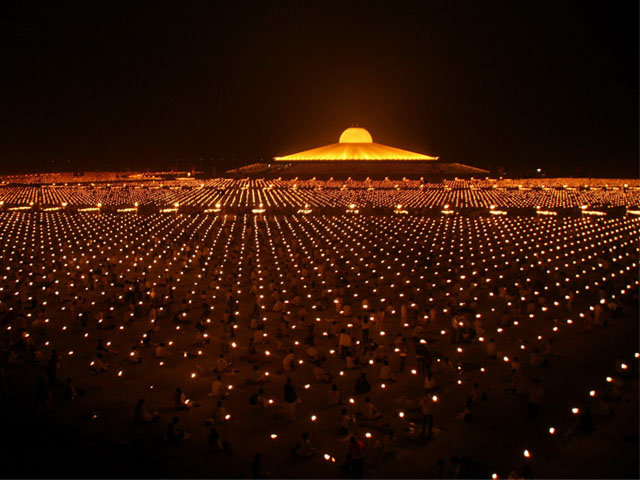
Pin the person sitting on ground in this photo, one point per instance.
(535, 359)
(386, 374)
(313, 354)
(334, 396)
(344, 342)
(70, 392)
(347, 420)
(492, 348)
(201, 338)
(218, 388)
(175, 432)
(141, 415)
(351, 361)
(304, 448)
(161, 351)
(180, 401)
(215, 442)
(257, 399)
(134, 356)
(221, 365)
(467, 412)
(289, 361)
(257, 376)
(320, 374)
(429, 381)
(97, 365)
(362, 384)
(369, 411)
(104, 349)
(220, 413)
(355, 457)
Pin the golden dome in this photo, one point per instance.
(355, 135)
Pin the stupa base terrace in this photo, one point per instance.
(360, 170)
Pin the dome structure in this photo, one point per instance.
(355, 144)
(355, 135)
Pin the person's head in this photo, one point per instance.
(288, 380)
(334, 387)
(174, 420)
(218, 378)
(305, 435)
(140, 402)
(178, 390)
(219, 404)
(367, 400)
(260, 391)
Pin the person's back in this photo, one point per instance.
(429, 382)
(304, 448)
(350, 362)
(141, 414)
(221, 365)
(217, 388)
(368, 411)
(219, 414)
(385, 372)
(362, 385)
(492, 349)
(288, 362)
(174, 431)
(215, 443)
(161, 351)
(334, 396)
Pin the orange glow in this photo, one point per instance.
(355, 135)
(355, 144)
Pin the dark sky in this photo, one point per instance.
(108, 85)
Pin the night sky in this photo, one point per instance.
(139, 85)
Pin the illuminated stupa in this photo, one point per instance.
(355, 144)
(356, 155)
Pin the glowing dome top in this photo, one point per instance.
(355, 135)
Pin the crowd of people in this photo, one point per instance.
(342, 341)
(227, 194)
